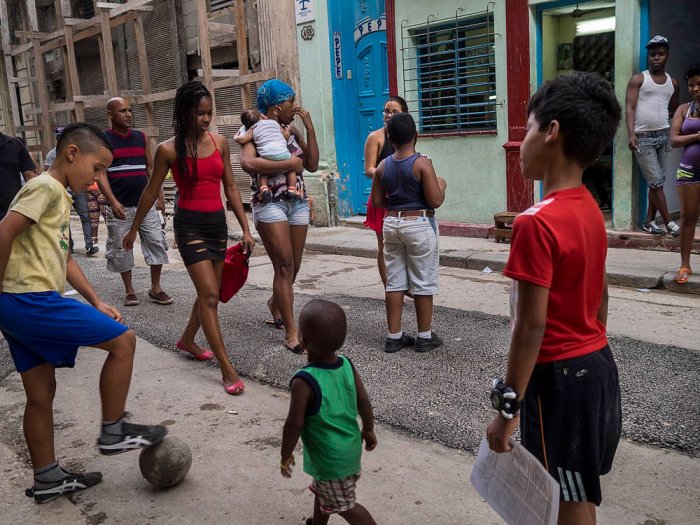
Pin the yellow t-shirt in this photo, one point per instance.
(39, 254)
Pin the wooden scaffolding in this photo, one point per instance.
(35, 44)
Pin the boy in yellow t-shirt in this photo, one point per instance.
(43, 329)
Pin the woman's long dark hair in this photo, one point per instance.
(187, 99)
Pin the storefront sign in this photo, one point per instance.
(337, 56)
(369, 25)
(305, 11)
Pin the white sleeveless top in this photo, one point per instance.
(652, 104)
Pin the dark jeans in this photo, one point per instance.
(80, 205)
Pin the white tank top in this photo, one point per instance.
(652, 104)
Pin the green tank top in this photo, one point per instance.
(331, 434)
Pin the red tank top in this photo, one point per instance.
(203, 194)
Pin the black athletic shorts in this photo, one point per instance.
(571, 421)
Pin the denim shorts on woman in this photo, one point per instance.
(45, 327)
(295, 212)
(411, 254)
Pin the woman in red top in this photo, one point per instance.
(377, 148)
(200, 162)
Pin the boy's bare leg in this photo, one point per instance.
(394, 306)
(358, 515)
(291, 179)
(576, 513)
(40, 388)
(319, 517)
(424, 311)
(262, 180)
(115, 377)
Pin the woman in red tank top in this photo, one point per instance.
(200, 162)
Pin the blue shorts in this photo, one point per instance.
(45, 327)
(295, 212)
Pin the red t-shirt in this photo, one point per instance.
(561, 244)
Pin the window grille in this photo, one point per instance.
(220, 4)
(449, 73)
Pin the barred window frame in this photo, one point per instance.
(449, 74)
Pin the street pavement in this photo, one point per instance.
(433, 407)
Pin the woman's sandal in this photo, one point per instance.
(235, 389)
(277, 323)
(296, 350)
(204, 356)
(682, 275)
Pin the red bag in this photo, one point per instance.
(235, 271)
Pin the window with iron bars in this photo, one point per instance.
(449, 73)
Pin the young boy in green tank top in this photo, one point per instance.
(327, 396)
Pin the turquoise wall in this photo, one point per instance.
(315, 83)
(474, 166)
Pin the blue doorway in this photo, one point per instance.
(360, 79)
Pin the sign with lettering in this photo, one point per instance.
(305, 11)
(369, 25)
(337, 56)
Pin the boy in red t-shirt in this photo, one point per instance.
(561, 374)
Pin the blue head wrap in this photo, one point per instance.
(273, 92)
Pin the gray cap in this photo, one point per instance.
(658, 40)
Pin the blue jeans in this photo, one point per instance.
(80, 205)
(652, 154)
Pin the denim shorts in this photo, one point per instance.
(411, 254)
(295, 212)
(653, 150)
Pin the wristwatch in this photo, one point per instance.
(504, 399)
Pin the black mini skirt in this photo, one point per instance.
(200, 235)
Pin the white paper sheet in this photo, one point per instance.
(516, 486)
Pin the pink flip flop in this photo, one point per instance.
(235, 389)
(204, 356)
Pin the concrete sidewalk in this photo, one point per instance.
(626, 267)
(235, 476)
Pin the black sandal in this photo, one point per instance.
(296, 350)
(277, 323)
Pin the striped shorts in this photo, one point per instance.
(337, 495)
(687, 175)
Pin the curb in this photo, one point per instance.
(641, 279)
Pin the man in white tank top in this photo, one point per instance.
(652, 97)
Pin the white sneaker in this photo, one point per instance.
(673, 229)
(651, 227)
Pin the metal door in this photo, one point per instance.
(360, 87)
